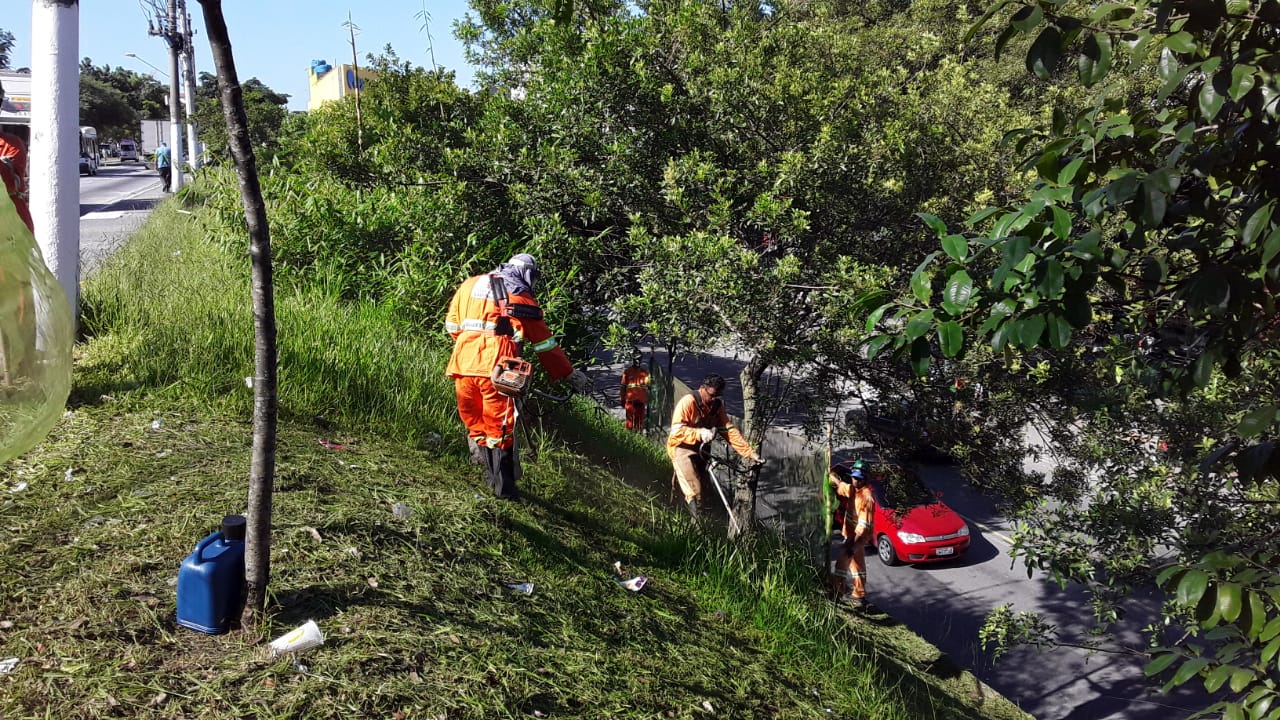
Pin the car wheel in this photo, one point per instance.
(884, 548)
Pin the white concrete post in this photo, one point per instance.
(189, 80)
(54, 161)
(175, 104)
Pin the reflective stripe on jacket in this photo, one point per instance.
(690, 416)
(635, 384)
(481, 334)
(857, 524)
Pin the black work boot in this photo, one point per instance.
(504, 476)
(693, 509)
(488, 455)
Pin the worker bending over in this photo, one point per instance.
(698, 418)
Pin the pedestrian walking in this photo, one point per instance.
(635, 394)
(164, 165)
(854, 489)
(489, 318)
(698, 418)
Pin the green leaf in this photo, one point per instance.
(981, 215)
(1256, 421)
(1240, 679)
(1242, 81)
(1167, 574)
(1229, 601)
(950, 337)
(1030, 328)
(1192, 587)
(1272, 248)
(1061, 223)
(921, 286)
(958, 292)
(1154, 203)
(1257, 615)
(977, 25)
(1271, 630)
(1217, 678)
(877, 344)
(1042, 56)
(1095, 58)
(1181, 42)
(1069, 172)
(956, 246)
(1203, 369)
(934, 222)
(1233, 712)
(919, 324)
(874, 318)
(1059, 331)
(1159, 664)
(1188, 670)
(1027, 18)
(1210, 101)
(1258, 222)
(1172, 74)
(920, 357)
(1051, 282)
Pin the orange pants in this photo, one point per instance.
(851, 567)
(488, 414)
(635, 415)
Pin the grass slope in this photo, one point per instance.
(419, 619)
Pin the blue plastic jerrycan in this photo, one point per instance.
(211, 580)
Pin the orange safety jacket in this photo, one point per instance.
(13, 173)
(481, 334)
(690, 415)
(635, 385)
(857, 524)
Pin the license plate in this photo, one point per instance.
(945, 551)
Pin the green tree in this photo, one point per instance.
(1148, 248)
(114, 100)
(106, 109)
(265, 109)
(6, 47)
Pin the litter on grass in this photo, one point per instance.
(402, 511)
(157, 424)
(526, 588)
(302, 638)
(332, 445)
(19, 487)
(635, 584)
(7, 665)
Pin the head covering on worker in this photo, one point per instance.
(520, 273)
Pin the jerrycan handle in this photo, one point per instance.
(200, 546)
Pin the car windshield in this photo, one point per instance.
(893, 487)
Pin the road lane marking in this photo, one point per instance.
(99, 213)
(987, 529)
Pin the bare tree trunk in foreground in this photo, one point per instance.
(262, 464)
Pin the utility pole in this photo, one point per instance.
(189, 78)
(55, 130)
(167, 26)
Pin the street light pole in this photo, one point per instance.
(189, 77)
(139, 58)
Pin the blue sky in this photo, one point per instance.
(273, 40)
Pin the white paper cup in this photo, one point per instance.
(305, 637)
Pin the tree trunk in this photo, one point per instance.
(265, 404)
(744, 493)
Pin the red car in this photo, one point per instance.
(911, 524)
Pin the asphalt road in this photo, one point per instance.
(947, 603)
(113, 204)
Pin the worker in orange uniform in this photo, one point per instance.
(698, 418)
(852, 486)
(13, 171)
(635, 394)
(489, 317)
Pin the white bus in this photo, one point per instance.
(90, 154)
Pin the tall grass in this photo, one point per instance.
(179, 305)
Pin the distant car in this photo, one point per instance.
(910, 523)
(128, 151)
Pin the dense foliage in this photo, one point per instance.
(1145, 255)
(115, 100)
(265, 109)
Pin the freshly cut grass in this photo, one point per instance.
(418, 613)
